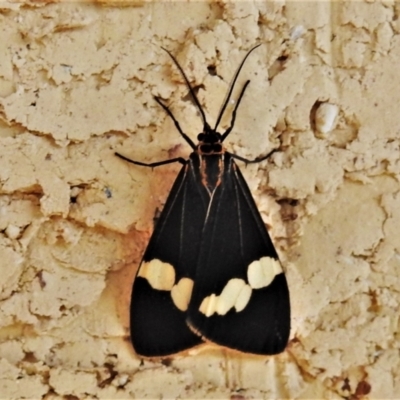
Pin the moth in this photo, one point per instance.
(210, 271)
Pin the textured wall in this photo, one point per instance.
(77, 82)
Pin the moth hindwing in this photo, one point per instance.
(210, 271)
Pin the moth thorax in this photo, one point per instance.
(211, 168)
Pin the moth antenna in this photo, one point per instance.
(192, 93)
(223, 108)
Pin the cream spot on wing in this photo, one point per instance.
(181, 293)
(229, 295)
(208, 305)
(236, 294)
(243, 298)
(262, 272)
(160, 275)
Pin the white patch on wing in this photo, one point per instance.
(208, 305)
(229, 295)
(181, 293)
(236, 294)
(243, 298)
(160, 275)
(262, 272)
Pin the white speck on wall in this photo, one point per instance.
(325, 117)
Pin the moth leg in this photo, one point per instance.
(154, 164)
(255, 160)
(178, 127)
(228, 131)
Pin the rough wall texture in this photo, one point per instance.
(77, 82)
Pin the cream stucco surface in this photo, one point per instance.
(77, 81)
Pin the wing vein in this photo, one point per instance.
(239, 215)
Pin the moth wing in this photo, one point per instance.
(241, 298)
(162, 287)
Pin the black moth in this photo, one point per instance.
(210, 271)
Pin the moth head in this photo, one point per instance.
(210, 141)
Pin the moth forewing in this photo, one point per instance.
(240, 298)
